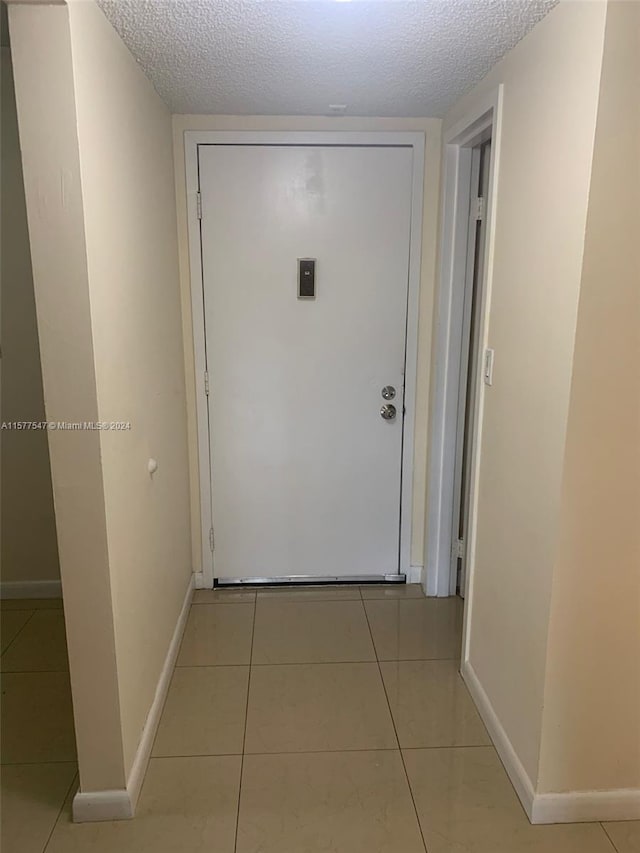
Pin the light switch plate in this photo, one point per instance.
(488, 366)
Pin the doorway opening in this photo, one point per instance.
(469, 358)
(464, 364)
(307, 397)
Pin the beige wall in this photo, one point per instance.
(432, 130)
(551, 82)
(29, 543)
(591, 723)
(101, 205)
(126, 161)
(48, 131)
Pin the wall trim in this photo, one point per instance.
(92, 806)
(585, 806)
(443, 419)
(415, 574)
(31, 589)
(566, 807)
(139, 766)
(512, 764)
(120, 804)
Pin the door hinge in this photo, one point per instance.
(211, 540)
(457, 549)
(477, 210)
(199, 204)
(206, 383)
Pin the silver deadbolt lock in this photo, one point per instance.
(388, 412)
(388, 392)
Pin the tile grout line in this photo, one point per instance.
(609, 838)
(280, 752)
(161, 715)
(34, 763)
(263, 597)
(278, 663)
(76, 778)
(395, 730)
(20, 630)
(319, 662)
(317, 751)
(308, 663)
(34, 671)
(166, 698)
(24, 607)
(216, 603)
(244, 734)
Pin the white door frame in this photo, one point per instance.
(458, 142)
(194, 138)
(465, 340)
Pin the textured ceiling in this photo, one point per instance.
(296, 57)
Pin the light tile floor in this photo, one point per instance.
(297, 721)
(37, 741)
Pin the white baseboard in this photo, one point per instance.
(92, 806)
(512, 764)
(31, 589)
(139, 766)
(415, 574)
(567, 807)
(198, 580)
(431, 584)
(121, 804)
(585, 806)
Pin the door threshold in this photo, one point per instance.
(311, 580)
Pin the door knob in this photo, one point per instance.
(388, 392)
(388, 412)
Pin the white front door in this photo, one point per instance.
(305, 472)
